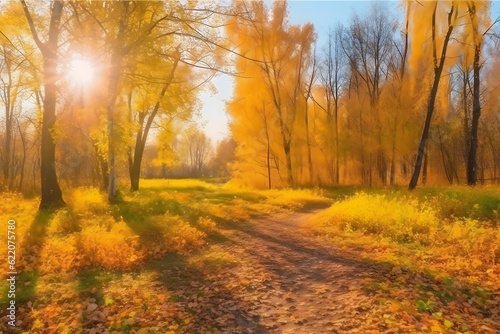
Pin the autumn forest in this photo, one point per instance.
(356, 189)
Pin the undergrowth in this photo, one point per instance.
(453, 229)
(164, 216)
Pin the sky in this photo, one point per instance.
(323, 14)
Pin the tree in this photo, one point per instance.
(474, 9)
(124, 27)
(438, 70)
(367, 44)
(223, 157)
(8, 95)
(51, 195)
(144, 128)
(331, 79)
(136, 33)
(308, 86)
(276, 54)
(401, 97)
(197, 147)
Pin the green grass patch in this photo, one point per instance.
(25, 290)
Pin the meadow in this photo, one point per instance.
(98, 267)
(64, 254)
(444, 231)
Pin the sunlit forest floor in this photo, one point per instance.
(192, 256)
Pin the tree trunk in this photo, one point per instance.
(476, 113)
(8, 124)
(393, 161)
(268, 151)
(51, 193)
(426, 164)
(23, 163)
(111, 155)
(288, 162)
(466, 114)
(8, 135)
(309, 158)
(114, 79)
(447, 172)
(337, 165)
(142, 133)
(135, 160)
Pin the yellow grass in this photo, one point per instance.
(177, 183)
(401, 219)
(165, 216)
(410, 232)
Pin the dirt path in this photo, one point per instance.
(293, 283)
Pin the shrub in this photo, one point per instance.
(117, 248)
(179, 236)
(473, 238)
(207, 225)
(88, 201)
(63, 222)
(401, 219)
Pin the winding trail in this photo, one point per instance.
(294, 283)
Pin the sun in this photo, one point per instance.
(82, 72)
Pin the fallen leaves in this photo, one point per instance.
(91, 307)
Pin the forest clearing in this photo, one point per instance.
(242, 166)
(192, 256)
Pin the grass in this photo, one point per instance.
(401, 219)
(125, 258)
(179, 216)
(481, 203)
(444, 230)
(213, 260)
(164, 216)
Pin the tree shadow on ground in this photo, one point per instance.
(139, 221)
(202, 302)
(28, 274)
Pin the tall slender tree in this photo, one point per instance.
(332, 78)
(477, 39)
(51, 192)
(438, 70)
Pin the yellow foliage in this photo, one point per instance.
(449, 243)
(293, 198)
(63, 222)
(401, 219)
(176, 196)
(179, 236)
(207, 225)
(87, 200)
(117, 248)
(60, 255)
(473, 239)
(236, 210)
(175, 183)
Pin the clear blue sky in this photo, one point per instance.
(322, 14)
